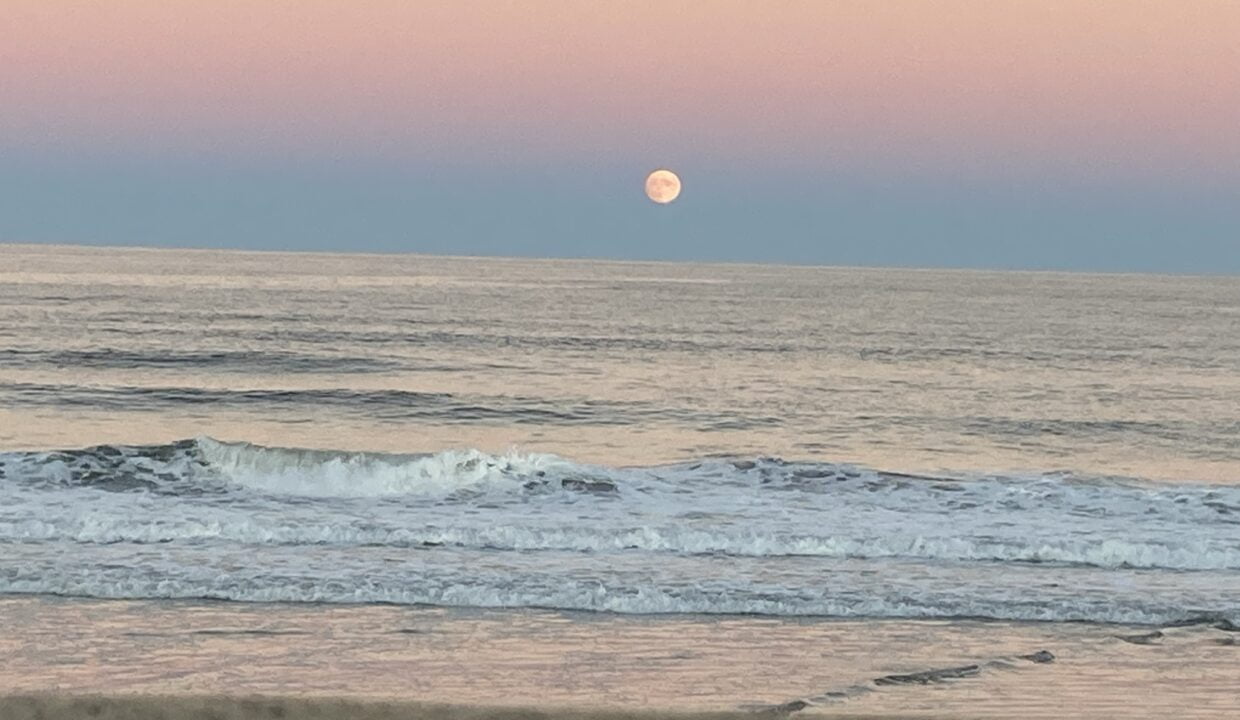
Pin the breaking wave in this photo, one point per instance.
(205, 518)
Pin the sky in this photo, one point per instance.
(1041, 134)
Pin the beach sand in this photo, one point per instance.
(201, 659)
(149, 707)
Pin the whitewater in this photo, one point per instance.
(202, 518)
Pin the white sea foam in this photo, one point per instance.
(215, 519)
(596, 597)
(1184, 554)
(312, 473)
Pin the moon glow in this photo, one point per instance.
(662, 186)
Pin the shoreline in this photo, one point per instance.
(1203, 620)
(173, 659)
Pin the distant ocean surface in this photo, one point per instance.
(620, 437)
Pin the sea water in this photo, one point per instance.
(632, 438)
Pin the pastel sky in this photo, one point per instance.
(1099, 134)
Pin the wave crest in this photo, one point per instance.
(325, 474)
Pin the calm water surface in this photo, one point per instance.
(624, 363)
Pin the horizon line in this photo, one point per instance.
(617, 260)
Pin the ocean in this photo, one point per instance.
(620, 442)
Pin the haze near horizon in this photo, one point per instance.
(939, 134)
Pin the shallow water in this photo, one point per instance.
(203, 519)
(552, 659)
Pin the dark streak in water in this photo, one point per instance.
(924, 677)
(1149, 638)
(391, 405)
(244, 632)
(221, 360)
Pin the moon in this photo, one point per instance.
(662, 186)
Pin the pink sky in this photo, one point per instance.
(1112, 87)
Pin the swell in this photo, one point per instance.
(389, 405)
(241, 361)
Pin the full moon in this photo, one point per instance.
(662, 186)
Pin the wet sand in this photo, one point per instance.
(51, 707)
(430, 662)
